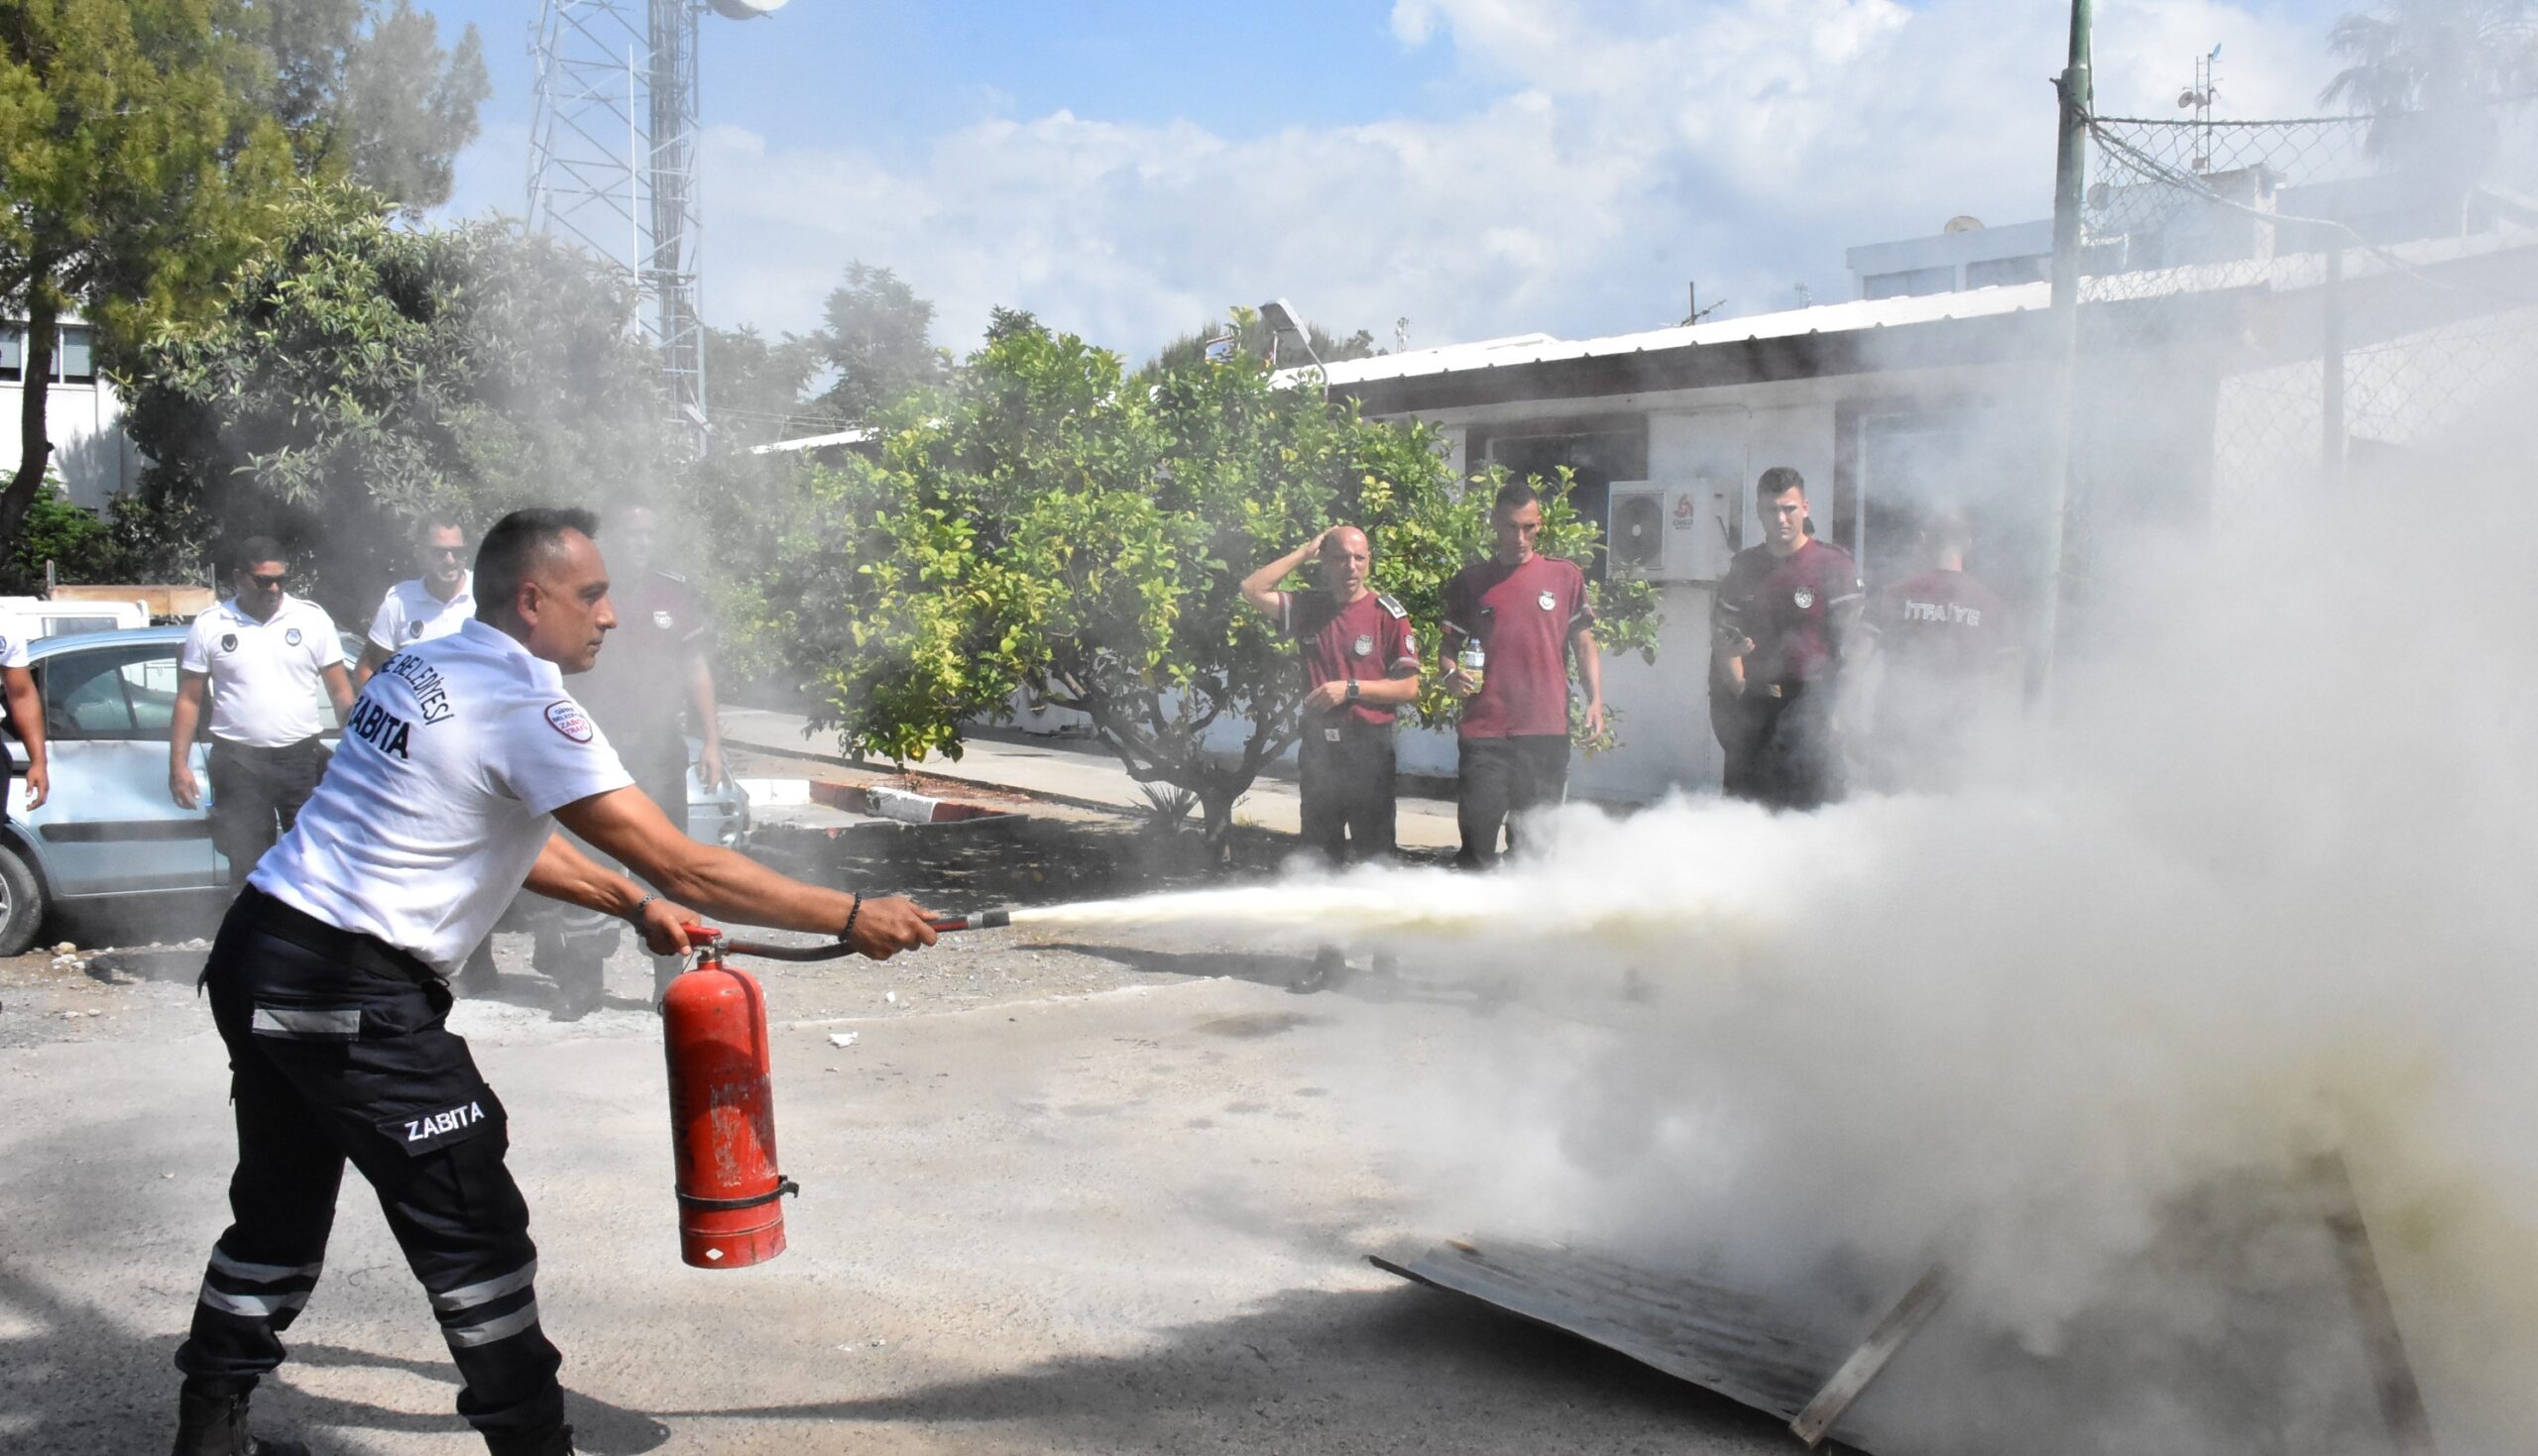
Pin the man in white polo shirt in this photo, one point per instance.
(463, 755)
(260, 659)
(431, 605)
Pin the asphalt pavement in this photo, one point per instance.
(1109, 1196)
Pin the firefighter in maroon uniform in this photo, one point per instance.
(1942, 663)
(1530, 616)
(1782, 623)
(652, 687)
(1361, 667)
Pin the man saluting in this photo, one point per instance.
(326, 982)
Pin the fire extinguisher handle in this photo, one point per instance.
(697, 933)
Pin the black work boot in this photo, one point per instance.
(212, 1422)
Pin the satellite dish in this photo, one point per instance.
(1963, 224)
(745, 8)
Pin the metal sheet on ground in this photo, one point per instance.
(2233, 1328)
(1713, 1336)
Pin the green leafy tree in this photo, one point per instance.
(361, 372)
(367, 92)
(2428, 71)
(874, 335)
(1252, 337)
(81, 547)
(1044, 522)
(754, 386)
(135, 170)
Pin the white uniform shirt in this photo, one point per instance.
(441, 796)
(13, 652)
(266, 676)
(410, 614)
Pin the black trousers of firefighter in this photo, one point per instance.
(337, 1052)
(1347, 789)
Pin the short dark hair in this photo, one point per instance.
(438, 520)
(255, 551)
(514, 547)
(1779, 479)
(1515, 496)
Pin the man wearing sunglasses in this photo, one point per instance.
(430, 606)
(256, 663)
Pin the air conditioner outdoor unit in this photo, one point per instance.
(1635, 531)
(1670, 533)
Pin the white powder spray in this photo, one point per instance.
(2262, 893)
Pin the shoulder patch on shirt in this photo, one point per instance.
(1385, 601)
(565, 717)
(228, 642)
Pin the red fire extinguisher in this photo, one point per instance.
(721, 1105)
(722, 1114)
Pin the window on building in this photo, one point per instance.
(75, 362)
(1597, 452)
(1992, 272)
(75, 354)
(1910, 282)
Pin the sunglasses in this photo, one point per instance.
(270, 582)
(450, 552)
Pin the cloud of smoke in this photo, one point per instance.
(2256, 894)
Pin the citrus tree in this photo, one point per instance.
(1044, 522)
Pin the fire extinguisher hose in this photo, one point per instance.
(834, 949)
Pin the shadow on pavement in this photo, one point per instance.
(74, 1379)
(1387, 1370)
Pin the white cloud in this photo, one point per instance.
(1609, 152)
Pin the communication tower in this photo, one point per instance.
(611, 164)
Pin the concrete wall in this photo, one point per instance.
(90, 452)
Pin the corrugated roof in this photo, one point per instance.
(1824, 319)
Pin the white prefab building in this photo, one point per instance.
(1886, 407)
(91, 453)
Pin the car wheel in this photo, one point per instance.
(21, 901)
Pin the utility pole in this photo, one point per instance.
(2070, 188)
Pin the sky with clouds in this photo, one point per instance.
(1476, 166)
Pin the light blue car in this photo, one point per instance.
(109, 829)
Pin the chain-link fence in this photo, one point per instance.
(2352, 289)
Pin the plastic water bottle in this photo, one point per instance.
(1474, 661)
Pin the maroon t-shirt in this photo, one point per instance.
(1364, 639)
(1947, 640)
(1523, 616)
(1796, 608)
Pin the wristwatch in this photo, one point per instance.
(1352, 690)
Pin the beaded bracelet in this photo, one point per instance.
(853, 910)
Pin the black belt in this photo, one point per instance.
(349, 947)
(304, 745)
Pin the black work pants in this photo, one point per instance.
(256, 794)
(1347, 789)
(1782, 752)
(337, 1050)
(1501, 780)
